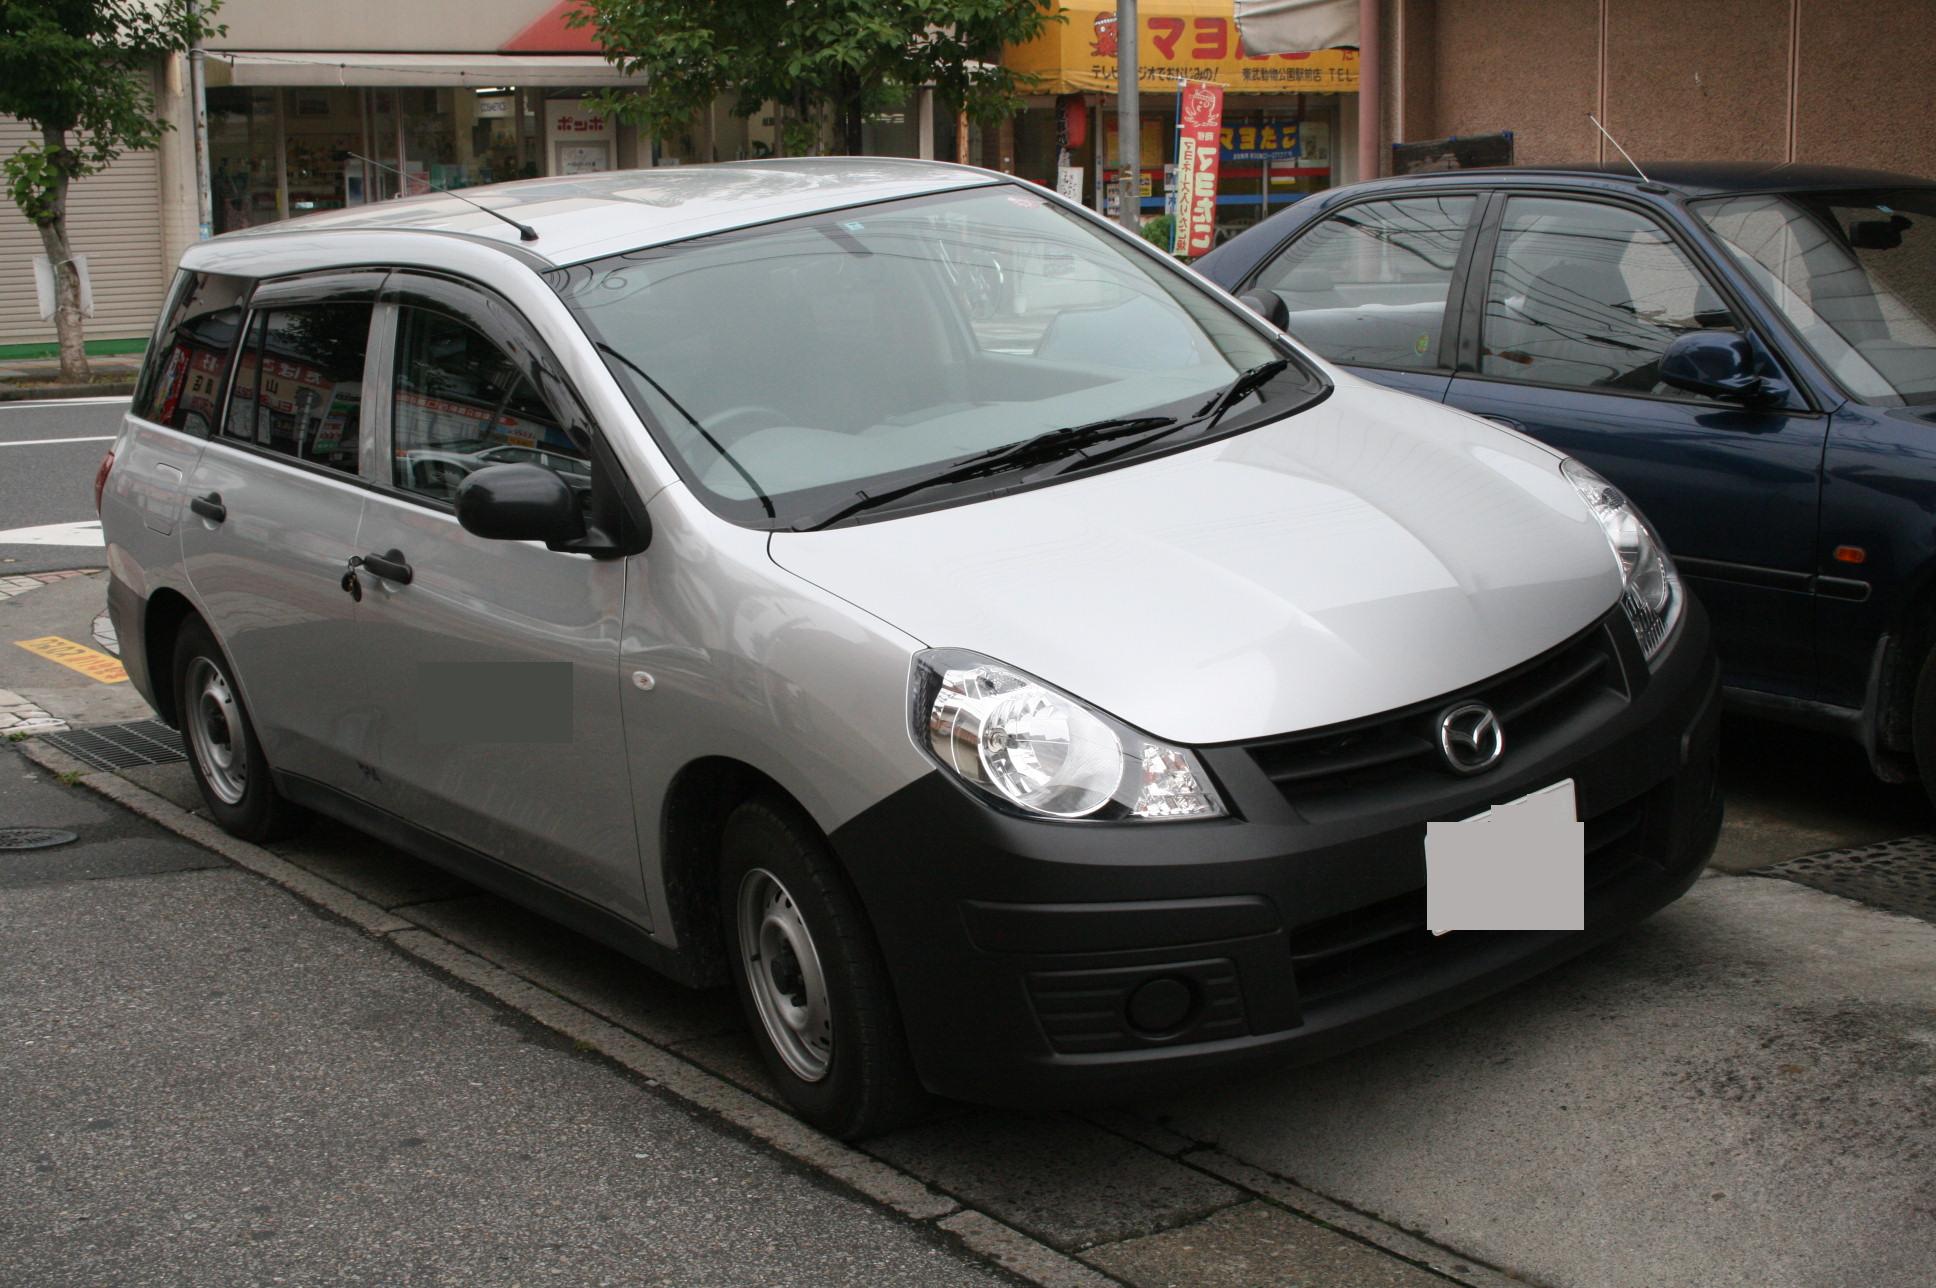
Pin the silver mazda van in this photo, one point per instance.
(1020, 670)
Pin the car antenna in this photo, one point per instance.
(525, 231)
(1616, 143)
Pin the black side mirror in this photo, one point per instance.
(520, 503)
(1720, 364)
(1268, 305)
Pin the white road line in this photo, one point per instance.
(65, 402)
(84, 533)
(42, 442)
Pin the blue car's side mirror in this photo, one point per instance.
(1720, 364)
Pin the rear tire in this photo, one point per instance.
(223, 750)
(1922, 725)
(810, 978)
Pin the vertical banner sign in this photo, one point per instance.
(1199, 122)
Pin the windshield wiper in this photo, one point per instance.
(766, 502)
(1051, 445)
(1248, 382)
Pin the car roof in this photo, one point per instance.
(1689, 178)
(581, 217)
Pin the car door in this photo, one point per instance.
(1367, 286)
(1572, 303)
(489, 668)
(275, 502)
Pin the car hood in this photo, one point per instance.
(1367, 553)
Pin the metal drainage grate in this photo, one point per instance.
(122, 746)
(33, 838)
(1898, 875)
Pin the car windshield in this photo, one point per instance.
(1855, 272)
(790, 368)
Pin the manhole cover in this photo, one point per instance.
(33, 838)
(1899, 875)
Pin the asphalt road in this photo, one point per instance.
(48, 454)
(207, 1083)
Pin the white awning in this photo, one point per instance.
(1296, 26)
(469, 70)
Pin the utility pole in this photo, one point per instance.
(198, 104)
(1371, 91)
(1129, 116)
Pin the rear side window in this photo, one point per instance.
(462, 404)
(1368, 285)
(298, 387)
(181, 383)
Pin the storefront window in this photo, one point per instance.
(274, 153)
(242, 137)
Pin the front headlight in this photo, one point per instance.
(1652, 596)
(1039, 749)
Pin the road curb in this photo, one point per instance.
(881, 1182)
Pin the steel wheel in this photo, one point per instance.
(216, 733)
(784, 975)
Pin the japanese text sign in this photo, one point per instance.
(1199, 123)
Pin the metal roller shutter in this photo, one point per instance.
(114, 219)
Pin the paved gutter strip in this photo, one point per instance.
(1020, 1254)
(1349, 1221)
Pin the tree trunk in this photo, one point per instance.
(852, 140)
(68, 321)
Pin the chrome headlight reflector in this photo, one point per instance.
(1652, 596)
(1036, 748)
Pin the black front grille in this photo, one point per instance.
(1358, 949)
(1323, 771)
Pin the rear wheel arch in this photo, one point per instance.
(161, 623)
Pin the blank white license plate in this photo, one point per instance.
(1518, 866)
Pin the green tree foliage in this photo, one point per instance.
(79, 71)
(823, 61)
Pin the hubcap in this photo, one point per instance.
(784, 975)
(215, 732)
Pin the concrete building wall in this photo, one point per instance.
(1866, 95)
(1529, 66)
(1698, 82)
(1842, 82)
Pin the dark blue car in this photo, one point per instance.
(1749, 351)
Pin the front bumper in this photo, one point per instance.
(1021, 948)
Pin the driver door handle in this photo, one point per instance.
(390, 565)
(1507, 421)
(210, 507)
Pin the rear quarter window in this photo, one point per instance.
(181, 381)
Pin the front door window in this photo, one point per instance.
(1589, 296)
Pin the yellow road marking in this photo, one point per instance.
(77, 657)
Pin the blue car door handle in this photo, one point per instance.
(1507, 421)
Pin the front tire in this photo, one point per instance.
(810, 978)
(223, 750)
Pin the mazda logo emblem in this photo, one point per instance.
(1470, 738)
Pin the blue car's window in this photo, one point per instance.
(1368, 285)
(1855, 272)
(1589, 295)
